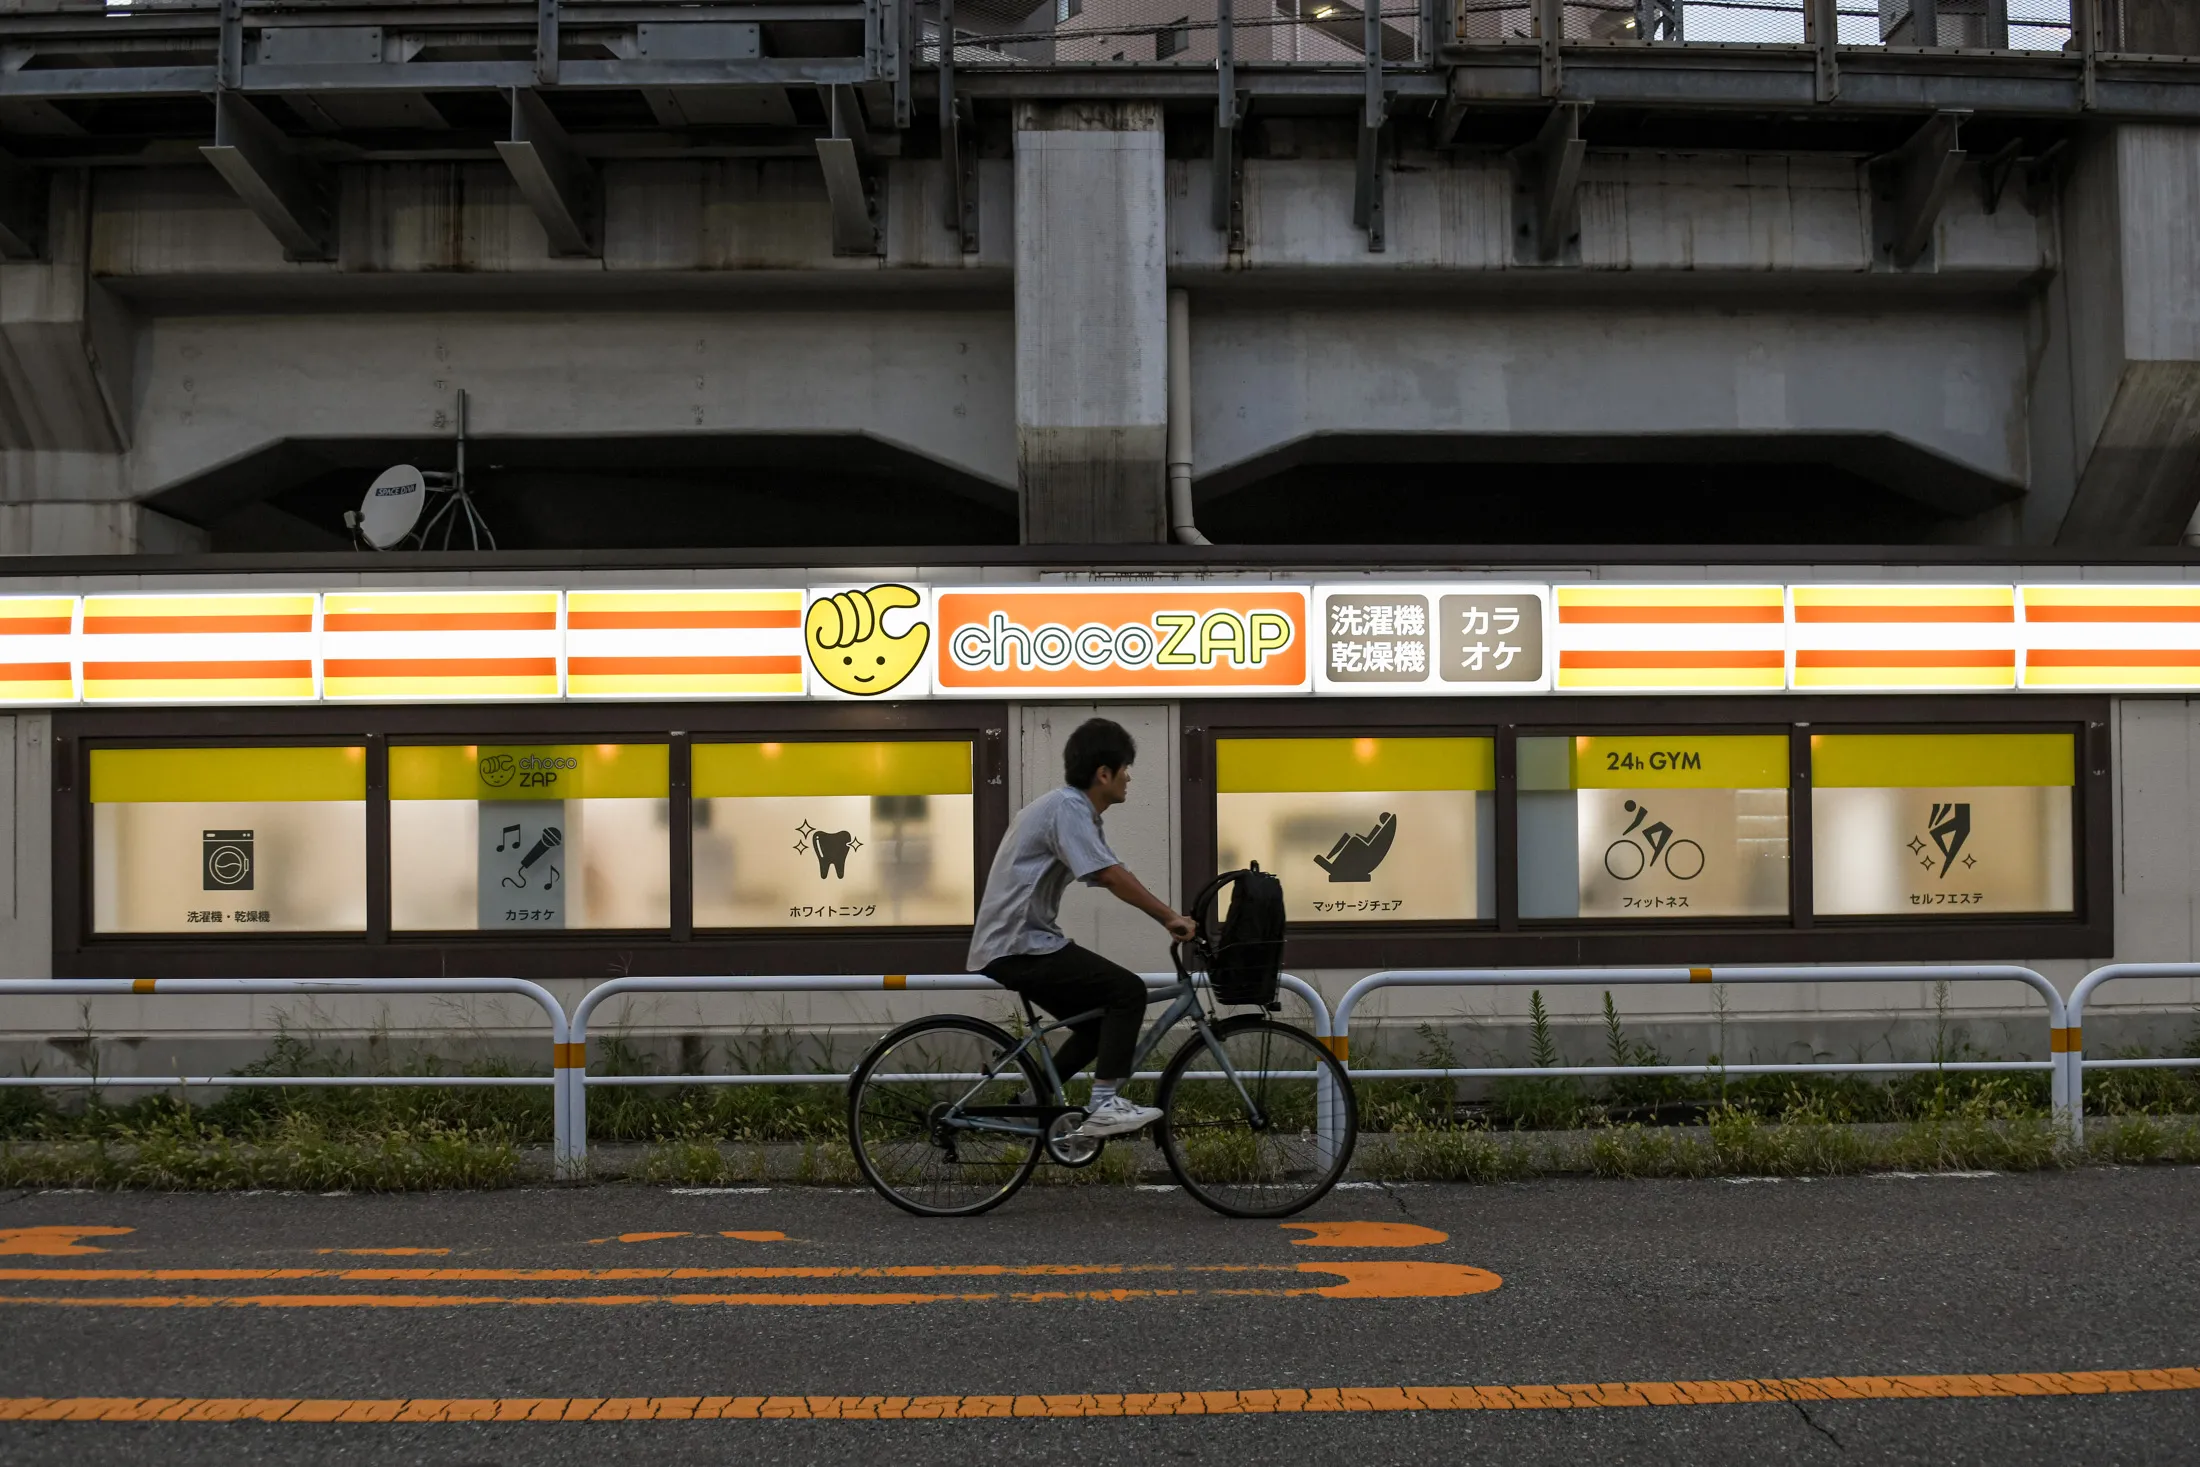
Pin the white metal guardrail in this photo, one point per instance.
(2061, 1084)
(572, 1149)
(2071, 1041)
(214, 987)
(569, 1079)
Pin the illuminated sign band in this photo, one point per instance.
(891, 641)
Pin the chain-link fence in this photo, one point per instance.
(2012, 25)
(998, 33)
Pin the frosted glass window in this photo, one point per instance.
(834, 835)
(229, 842)
(1654, 827)
(529, 837)
(1942, 825)
(1362, 829)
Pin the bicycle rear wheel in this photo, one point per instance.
(1283, 1153)
(903, 1105)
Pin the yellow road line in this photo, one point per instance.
(1162, 1403)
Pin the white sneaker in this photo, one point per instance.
(1117, 1117)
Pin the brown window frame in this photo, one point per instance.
(1800, 937)
(678, 949)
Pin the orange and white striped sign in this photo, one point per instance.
(425, 645)
(198, 649)
(1905, 638)
(37, 649)
(683, 644)
(1695, 638)
(2110, 636)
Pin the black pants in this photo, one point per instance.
(1072, 981)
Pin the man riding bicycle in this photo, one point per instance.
(1018, 942)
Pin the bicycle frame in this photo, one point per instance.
(1184, 1003)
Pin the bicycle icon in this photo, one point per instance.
(1625, 859)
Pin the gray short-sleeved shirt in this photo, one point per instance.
(1057, 837)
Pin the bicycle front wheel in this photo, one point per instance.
(1260, 1123)
(907, 1122)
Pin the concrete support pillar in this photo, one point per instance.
(26, 846)
(67, 349)
(1091, 322)
(2128, 315)
(65, 343)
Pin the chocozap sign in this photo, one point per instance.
(1162, 640)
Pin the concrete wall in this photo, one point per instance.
(1730, 302)
(1946, 382)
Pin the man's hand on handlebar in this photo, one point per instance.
(1183, 929)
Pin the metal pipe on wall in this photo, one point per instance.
(1181, 528)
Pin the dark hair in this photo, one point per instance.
(1099, 743)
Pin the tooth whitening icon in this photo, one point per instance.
(831, 847)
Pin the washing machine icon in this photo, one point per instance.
(225, 860)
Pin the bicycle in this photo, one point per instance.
(949, 1115)
(1676, 854)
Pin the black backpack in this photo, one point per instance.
(1243, 951)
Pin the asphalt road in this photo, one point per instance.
(2031, 1278)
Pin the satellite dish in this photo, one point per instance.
(392, 506)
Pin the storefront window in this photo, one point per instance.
(834, 835)
(1363, 829)
(1941, 824)
(1654, 826)
(529, 837)
(229, 841)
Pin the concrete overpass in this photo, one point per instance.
(782, 260)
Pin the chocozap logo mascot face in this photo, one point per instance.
(848, 644)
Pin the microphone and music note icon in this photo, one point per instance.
(523, 847)
(550, 840)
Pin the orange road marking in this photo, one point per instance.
(1363, 1280)
(53, 1242)
(756, 1235)
(1365, 1235)
(1413, 1280)
(1154, 1403)
(592, 1275)
(641, 1237)
(1404, 1280)
(389, 1252)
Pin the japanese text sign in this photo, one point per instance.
(1431, 638)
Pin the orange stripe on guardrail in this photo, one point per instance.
(1699, 975)
(2064, 1041)
(569, 1056)
(1339, 1045)
(1323, 1400)
(142, 985)
(897, 980)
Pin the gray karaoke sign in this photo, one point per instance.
(1428, 638)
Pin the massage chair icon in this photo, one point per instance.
(1355, 857)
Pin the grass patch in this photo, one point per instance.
(182, 1153)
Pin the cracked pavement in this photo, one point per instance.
(689, 1294)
